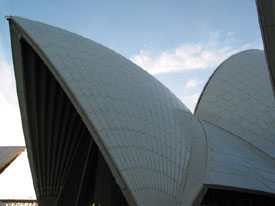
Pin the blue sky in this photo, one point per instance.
(129, 26)
(180, 42)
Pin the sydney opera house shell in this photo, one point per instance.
(100, 130)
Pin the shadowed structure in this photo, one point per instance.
(8, 155)
(266, 15)
(66, 156)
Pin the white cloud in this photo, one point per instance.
(7, 83)
(190, 56)
(16, 181)
(193, 83)
(10, 121)
(193, 56)
(17, 175)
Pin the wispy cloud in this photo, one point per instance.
(11, 134)
(16, 181)
(7, 83)
(193, 83)
(10, 122)
(190, 56)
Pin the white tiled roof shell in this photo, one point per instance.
(145, 128)
(239, 98)
(235, 163)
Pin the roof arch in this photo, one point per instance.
(143, 130)
(238, 97)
